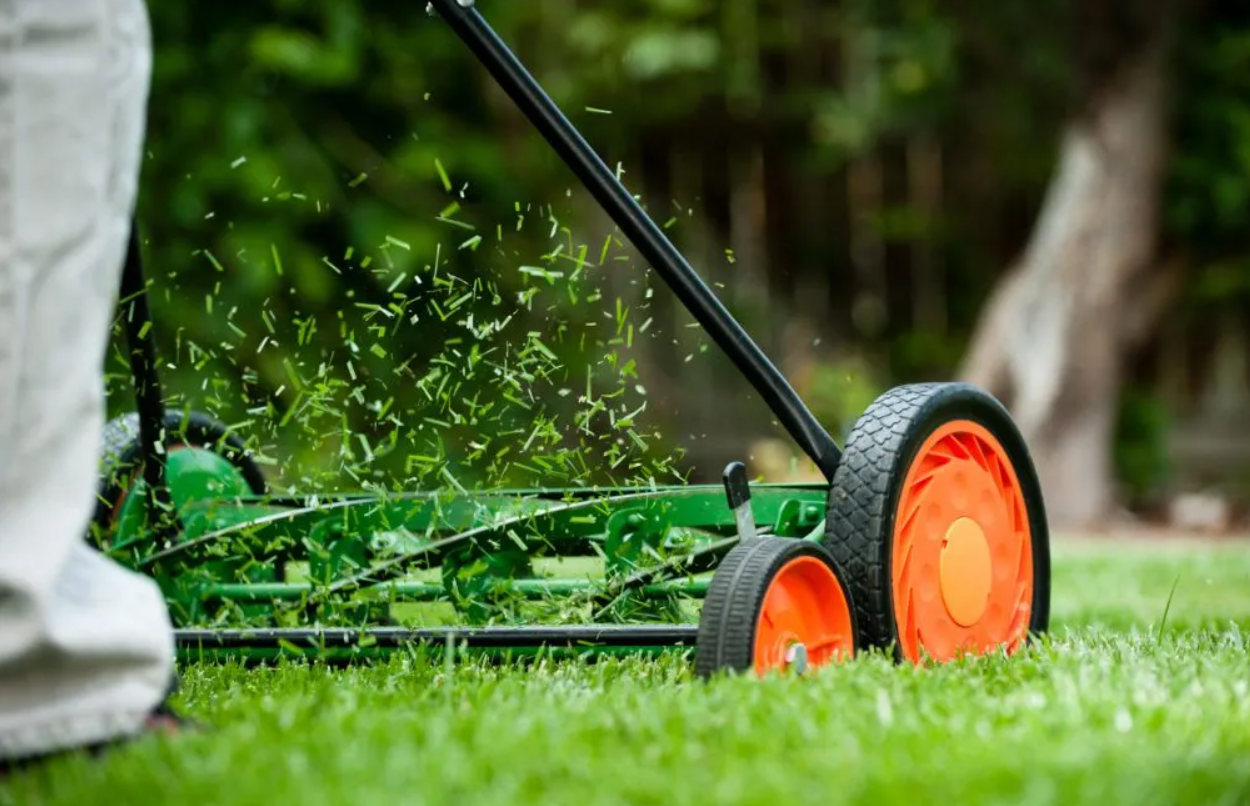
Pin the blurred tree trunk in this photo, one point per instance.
(1055, 335)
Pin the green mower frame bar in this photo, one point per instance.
(928, 539)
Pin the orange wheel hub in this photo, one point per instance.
(962, 568)
(965, 571)
(804, 605)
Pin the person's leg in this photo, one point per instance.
(86, 649)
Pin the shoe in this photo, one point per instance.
(164, 720)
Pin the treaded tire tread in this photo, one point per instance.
(864, 492)
(726, 637)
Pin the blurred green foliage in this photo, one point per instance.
(1208, 201)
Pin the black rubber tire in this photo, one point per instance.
(863, 497)
(121, 458)
(726, 637)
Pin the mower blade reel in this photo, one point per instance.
(696, 562)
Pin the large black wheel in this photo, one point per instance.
(937, 515)
(775, 604)
(121, 459)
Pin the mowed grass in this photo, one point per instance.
(1110, 709)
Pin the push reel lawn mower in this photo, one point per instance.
(929, 538)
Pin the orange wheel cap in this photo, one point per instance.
(965, 572)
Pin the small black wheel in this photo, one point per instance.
(937, 514)
(775, 604)
(121, 459)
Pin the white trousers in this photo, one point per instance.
(86, 648)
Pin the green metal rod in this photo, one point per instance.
(428, 592)
(355, 655)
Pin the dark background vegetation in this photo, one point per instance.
(855, 178)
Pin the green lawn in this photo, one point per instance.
(1108, 711)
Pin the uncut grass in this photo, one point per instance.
(1110, 709)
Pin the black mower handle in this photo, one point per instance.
(646, 236)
